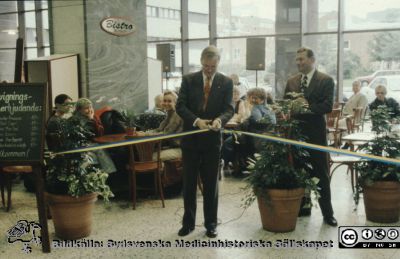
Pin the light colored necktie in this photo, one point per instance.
(303, 85)
(207, 89)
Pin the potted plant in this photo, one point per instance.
(73, 183)
(130, 118)
(280, 173)
(380, 182)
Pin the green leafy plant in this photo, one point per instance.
(130, 118)
(75, 174)
(384, 145)
(281, 166)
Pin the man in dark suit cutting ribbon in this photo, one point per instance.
(205, 102)
(318, 90)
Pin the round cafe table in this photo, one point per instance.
(110, 138)
(118, 137)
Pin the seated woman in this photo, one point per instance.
(171, 124)
(84, 115)
(261, 117)
(54, 128)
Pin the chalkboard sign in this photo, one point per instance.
(22, 109)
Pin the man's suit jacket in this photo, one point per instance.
(190, 107)
(319, 95)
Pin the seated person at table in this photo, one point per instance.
(158, 105)
(241, 87)
(261, 116)
(62, 111)
(171, 124)
(390, 103)
(358, 99)
(240, 108)
(84, 115)
(260, 119)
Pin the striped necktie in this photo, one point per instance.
(303, 85)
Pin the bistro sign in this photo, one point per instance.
(118, 26)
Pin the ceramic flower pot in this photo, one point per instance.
(72, 216)
(382, 201)
(280, 208)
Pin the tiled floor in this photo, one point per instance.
(149, 222)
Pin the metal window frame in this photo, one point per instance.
(213, 36)
(22, 26)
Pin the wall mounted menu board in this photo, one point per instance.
(22, 109)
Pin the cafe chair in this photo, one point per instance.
(339, 105)
(143, 163)
(350, 162)
(6, 175)
(332, 126)
(355, 122)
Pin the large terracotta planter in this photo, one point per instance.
(279, 213)
(382, 201)
(72, 216)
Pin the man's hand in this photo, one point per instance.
(304, 101)
(203, 124)
(216, 124)
(300, 105)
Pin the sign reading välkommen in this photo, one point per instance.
(22, 108)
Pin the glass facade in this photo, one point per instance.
(19, 20)
(351, 38)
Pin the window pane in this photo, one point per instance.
(255, 17)
(198, 19)
(8, 30)
(371, 14)
(31, 53)
(47, 51)
(29, 5)
(321, 15)
(8, 6)
(7, 63)
(45, 4)
(370, 55)
(195, 49)
(45, 19)
(30, 29)
(160, 26)
(325, 50)
(45, 31)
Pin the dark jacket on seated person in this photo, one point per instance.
(113, 122)
(94, 126)
(390, 103)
